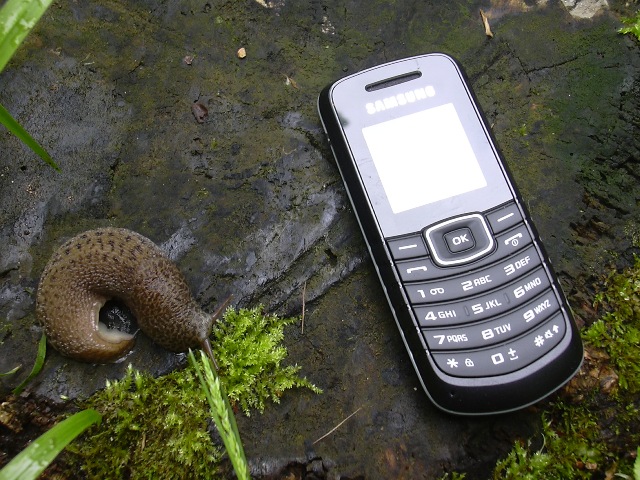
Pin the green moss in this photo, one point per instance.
(249, 353)
(618, 331)
(580, 441)
(158, 427)
(632, 25)
(152, 428)
(453, 476)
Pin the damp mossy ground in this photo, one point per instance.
(160, 427)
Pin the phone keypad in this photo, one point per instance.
(491, 313)
(482, 307)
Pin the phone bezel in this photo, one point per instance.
(349, 98)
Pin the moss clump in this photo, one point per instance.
(618, 331)
(151, 428)
(632, 25)
(158, 427)
(247, 346)
(527, 465)
(594, 431)
(591, 440)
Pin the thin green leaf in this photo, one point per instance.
(11, 372)
(14, 127)
(32, 461)
(17, 18)
(636, 466)
(221, 413)
(37, 366)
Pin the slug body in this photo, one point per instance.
(106, 263)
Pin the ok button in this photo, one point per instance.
(459, 240)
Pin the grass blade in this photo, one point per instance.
(33, 460)
(37, 366)
(221, 413)
(14, 127)
(11, 372)
(17, 18)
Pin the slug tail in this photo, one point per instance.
(111, 335)
(96, 346)
(77, 333)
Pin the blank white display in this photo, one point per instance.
(423, 158)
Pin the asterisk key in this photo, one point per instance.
(452, 362)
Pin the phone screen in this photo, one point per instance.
(423, 158)
(422, 154)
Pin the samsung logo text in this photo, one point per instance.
(400, 99)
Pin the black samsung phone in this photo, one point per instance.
(478, 306)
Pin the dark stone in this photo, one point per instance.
(250, 202)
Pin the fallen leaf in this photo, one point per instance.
(487, 28)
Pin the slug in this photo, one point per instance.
(106, 263)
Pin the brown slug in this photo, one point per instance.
(106, 263)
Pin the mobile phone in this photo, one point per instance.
(479, 309)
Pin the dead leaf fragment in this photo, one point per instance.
(9, 417)
(188, 59)
(242, 52)
(487, 28)
(290, 81)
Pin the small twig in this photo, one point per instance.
(304, 291)
(487, 28)
(337, 426)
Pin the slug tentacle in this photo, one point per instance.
(106, 263)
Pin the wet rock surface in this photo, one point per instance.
(247, 200)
